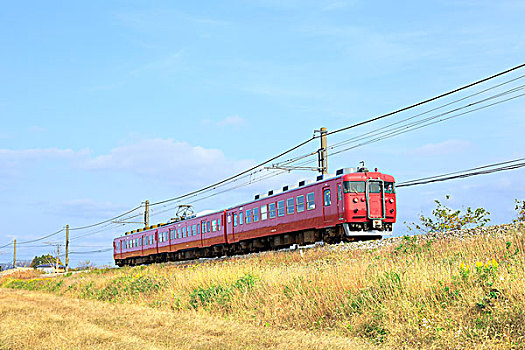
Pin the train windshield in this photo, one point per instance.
(374, 187)
(354, 187)
(389, 187)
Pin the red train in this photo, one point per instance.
(348, 206)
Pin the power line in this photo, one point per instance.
(427, 100)
(105, 221)
(465, 173)
(41, 238)
(93, 251)
(237, 175)
(421, 124)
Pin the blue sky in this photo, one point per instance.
(106, 104)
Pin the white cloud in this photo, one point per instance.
(442, 148)
(14, 160)
(177, 162)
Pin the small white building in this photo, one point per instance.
(50, 268)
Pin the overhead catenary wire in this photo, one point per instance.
(451, 92)
(376, 131)
(92, 251)
(105, 221)
(481, 170)
(421, 124)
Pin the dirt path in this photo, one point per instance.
(31, 320)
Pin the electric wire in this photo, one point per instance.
(105, 221)
(418, 125)
(428, 100)
(482, 170)
(440, 107)
(92, 251)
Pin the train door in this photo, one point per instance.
(340, 204)
(202, 230)
(231, 219)
(329, 208)
(157, 241)
(375, 195)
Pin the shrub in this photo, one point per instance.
(445, 219)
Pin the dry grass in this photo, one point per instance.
(31, 320)
(445, 293)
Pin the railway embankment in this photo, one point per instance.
(445, 290)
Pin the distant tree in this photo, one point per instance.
(85, 265)
(446, 219)
(520, 210)
(44, 259)
(23, 263)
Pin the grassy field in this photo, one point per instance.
(466, 292)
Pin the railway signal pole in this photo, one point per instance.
(58, 254)
(146, 214)
(67, 248)
(14, 255)
(322, 153)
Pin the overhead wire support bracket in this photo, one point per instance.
(290, 168)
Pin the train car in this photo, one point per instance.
(350, 205)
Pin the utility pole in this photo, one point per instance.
(146, 214)
(67, 248)
(58, 254)
(14, 255)
(322, 153)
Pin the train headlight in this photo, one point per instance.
(356, 200)
(391, 200)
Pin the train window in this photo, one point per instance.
(271, 210)
(218, 224)
(290, 206)
(194, 229)
(310, 201)
(339, 194)
(178, 233)
(354, 187)
(184, 232)
(214, 225)
(248, 216)
(229, 219)
(264, 212)
(255, 214)
(280, 208)
(234, 220)
(300, 203)
(208, 227)
(241, 221)
(374, 187)
(389, 187)
(327, 198)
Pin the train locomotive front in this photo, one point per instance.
(369, 203)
